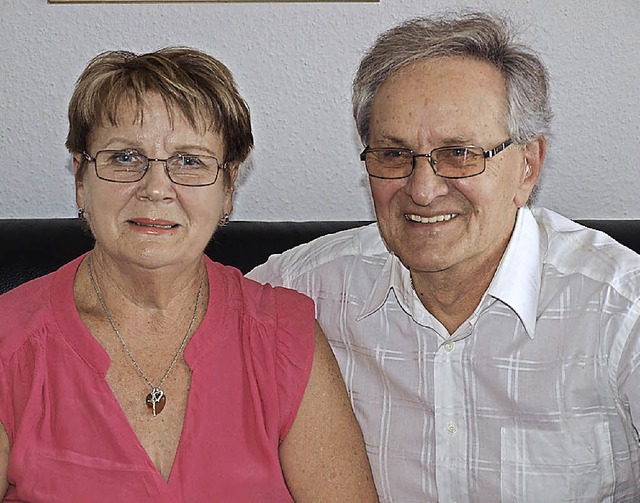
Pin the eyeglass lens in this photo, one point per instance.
(449, 162)
(131, 166)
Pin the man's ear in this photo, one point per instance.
(534, 154)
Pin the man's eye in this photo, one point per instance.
(395, 154)
(458, 152)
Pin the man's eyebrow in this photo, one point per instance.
(449, 141)
(456, 140)
(392, 141)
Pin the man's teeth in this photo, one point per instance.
(430, 220)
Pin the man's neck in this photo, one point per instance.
(453, 295)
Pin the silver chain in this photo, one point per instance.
(124, 344)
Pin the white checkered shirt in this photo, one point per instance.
(535, 398)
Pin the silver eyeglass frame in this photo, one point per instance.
(148, 165)
(487, 154)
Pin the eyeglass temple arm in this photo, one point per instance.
(498, 149)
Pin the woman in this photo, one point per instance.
(143, 371)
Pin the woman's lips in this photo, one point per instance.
(153, 224)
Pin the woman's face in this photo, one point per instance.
(153, 223)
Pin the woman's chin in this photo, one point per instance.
(151, 255)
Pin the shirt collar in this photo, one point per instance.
(516, 282)
(394, 276)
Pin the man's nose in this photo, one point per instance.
(423, 185)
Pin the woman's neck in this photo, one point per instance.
(150, 289)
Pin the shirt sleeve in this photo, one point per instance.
(628, 369)
(295, 340)
(270, 272)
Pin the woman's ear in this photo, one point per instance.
(78, 173)
(230, 181)
(233, 175)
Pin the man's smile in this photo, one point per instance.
(429, 220)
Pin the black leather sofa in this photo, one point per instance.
(33, 247)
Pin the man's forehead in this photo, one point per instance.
(459, 95)
(450, 71)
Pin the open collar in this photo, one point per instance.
(516, 282)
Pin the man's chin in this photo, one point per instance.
(425, 262)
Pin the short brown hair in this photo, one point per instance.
(188, 80)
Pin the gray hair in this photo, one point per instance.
(475, 35)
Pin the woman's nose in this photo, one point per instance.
(156, 184)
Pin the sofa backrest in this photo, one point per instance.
(33, 247)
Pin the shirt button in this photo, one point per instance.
(451, 429)
(448, 347)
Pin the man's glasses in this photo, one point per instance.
(126, 166)
(446, 162)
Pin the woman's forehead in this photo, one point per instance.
(153, 124)
(132, 109)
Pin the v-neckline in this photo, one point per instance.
(96, 357)
(135, 440)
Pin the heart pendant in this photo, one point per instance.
(156, 400)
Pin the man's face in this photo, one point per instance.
(434, 224)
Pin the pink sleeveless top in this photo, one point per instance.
(70, 441)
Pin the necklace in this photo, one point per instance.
(157, 399)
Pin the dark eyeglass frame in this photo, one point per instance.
(486, 154)
(148, 164)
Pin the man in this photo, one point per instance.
(491, 351)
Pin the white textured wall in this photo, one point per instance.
(294, 63)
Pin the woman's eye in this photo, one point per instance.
(191, 161)
(124, 157)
